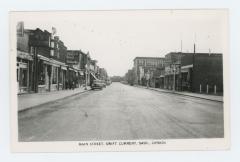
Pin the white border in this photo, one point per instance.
(179, 144)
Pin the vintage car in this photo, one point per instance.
(97, 84)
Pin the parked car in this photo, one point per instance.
(97, 84)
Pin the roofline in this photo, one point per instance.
(149, 58)
(196, 53)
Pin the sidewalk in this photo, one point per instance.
(196, 95)
(26, 101)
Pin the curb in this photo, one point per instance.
(180, 94)
(48, 102)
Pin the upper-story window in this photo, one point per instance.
(31, 50)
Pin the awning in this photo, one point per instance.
(81, 73)
(187, 66)
(184, 70)
(94, 76)
(50, 61)
(24, 55)
(63, 67)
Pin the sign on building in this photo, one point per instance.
(72, 57)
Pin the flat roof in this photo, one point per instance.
(148, 58)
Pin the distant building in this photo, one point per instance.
(116, 79)
(129, 77)
(103, 74)
(145, 70)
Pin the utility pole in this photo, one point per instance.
(174, 69)
(85, 77)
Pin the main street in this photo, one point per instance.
(122, 112)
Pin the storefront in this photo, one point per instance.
(51, 74)
(24, 71)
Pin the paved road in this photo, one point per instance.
(122, 112)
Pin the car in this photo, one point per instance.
(97, 84)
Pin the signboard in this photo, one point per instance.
(24, 55)
(40, 38)
(72, 57)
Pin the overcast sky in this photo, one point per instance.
(115, 38)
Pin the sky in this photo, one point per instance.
(115, 38)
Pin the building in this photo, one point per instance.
(144, 70)
(129, 77)
(103, 74)
(48, 60)
(202, 72)
(76, 68)
(45, 64)
(25, 61)
(60, 73)
(172, 70)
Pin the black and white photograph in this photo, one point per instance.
(119, 80)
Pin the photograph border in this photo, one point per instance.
(75, 146)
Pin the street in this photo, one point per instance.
(122, 112)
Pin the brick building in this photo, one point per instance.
(202, 72)
(49, 61)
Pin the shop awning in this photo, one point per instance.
(63, 67)
(187, 66)
(94, 76)
(24, 55)
(81, 73)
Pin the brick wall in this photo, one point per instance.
(208, 70)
